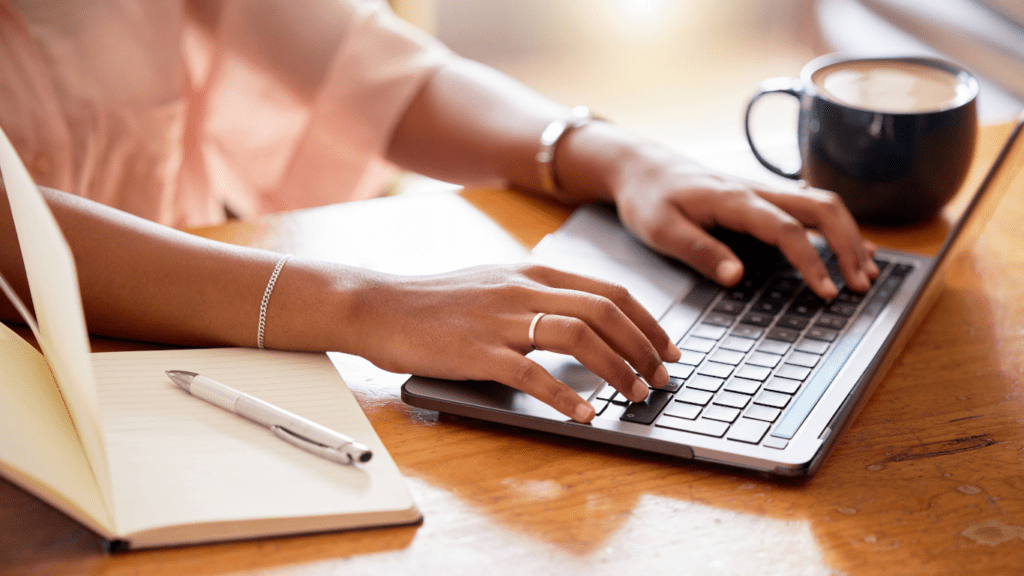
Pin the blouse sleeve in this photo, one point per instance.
(299, 100)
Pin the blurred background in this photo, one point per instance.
(682, 71)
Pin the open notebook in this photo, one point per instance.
(109, 440)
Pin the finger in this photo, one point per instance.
(614, 332)
(524, 374)
(827, 213)
(616, 315)
(680, 238)
(769, 223)
(871, 248)
(572, 336)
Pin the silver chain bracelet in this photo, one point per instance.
(266, 299)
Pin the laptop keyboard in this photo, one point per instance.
(760, 356)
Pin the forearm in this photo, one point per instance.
(473, 125)
(470, 124)
(143, 281)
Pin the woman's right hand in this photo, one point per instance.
(474, 324)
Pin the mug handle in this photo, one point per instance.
(772, 86)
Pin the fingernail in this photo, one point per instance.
(639, 390)
(584, 412)
(830, 289)
(863, 279)
(728, 271)
(672, 353)
(660, 377)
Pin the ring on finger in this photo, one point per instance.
(533, 329)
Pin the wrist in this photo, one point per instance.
(550, 139)
(316, 306)
(591, 162)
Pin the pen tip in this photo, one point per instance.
(181, 377)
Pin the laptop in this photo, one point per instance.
(769, 375)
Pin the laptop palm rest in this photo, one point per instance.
(491, 396)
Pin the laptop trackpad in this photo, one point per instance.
(489, 396)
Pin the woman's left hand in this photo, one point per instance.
(671, 202)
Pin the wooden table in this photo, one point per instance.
(928, 480)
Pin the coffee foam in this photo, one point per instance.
(892, 86)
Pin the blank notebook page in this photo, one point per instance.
(178, 460)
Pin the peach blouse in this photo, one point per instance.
(259, 106)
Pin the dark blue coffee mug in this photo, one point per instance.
(894, 148)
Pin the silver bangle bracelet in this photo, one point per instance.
(266, 300)
(550, 138)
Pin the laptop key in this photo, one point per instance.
(730, 357)
(694, 396)
(803, 359)
(715, 369)
(902, 270)
(823, 334)
(678, 370)
(674, 385)
(708, 331)
(759, 373)
(719, 319)
(727, 306)
(774, 347)
(749, 431)
(702, 345)
(706, 383)
(787, 280)
(773, 399)
(702, 426)
(763, 413)
(747, 331)
(645, 412)
(740, 294)
(842, 308)
(732, 400)
(831, 321)
(793, 322)
(745, 290)
(784, 334)
(806, 304)
(812, 346)
(690, 357)
(606, 393)
(680, 410)
(721, 413)
(737, 344)
(744, 386)
(847, 295)
(758, 319)
(764, 359)
(783, 385)
(771, 307)
(793, 372)
(774, 294)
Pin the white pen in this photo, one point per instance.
(289, 427)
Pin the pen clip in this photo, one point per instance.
(312, 447)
